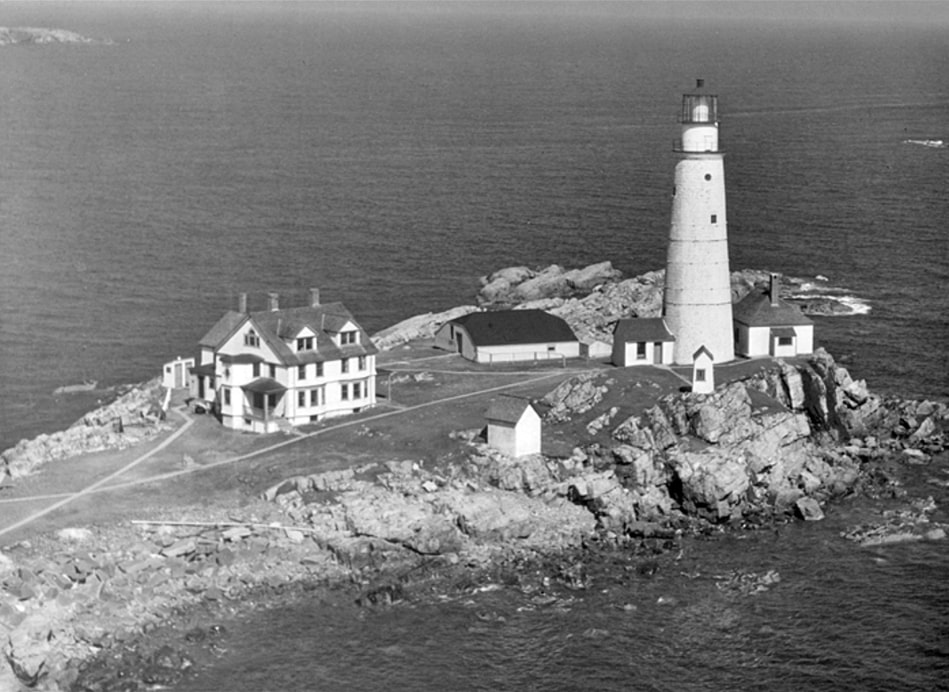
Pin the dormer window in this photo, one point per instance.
(251, 339)
(305, 343)
(351, 337)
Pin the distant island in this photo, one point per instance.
(10, 36)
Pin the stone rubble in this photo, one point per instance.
(133, 417)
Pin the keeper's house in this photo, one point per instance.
(642, 341)
(267, 370)
(508, 335)
(766, 325)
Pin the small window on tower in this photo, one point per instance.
(714, 218)
(708, 176)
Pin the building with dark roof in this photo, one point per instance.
(642, 341)
(514, 426)
(766, 325)
(508, 335)
(262, 370)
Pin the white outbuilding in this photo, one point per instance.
(501, 336)
(642, 341)
(766, 325)
(514, 426)
(703, 371)
(176, 374)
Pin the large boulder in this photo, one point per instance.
(577, 395)
(712, 482)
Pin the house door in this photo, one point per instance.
(657, 353)
(179, 375)
(200, 387)
(458, 341)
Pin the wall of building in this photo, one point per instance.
(528, 352)
(517, 440)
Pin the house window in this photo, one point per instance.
(714, 218)
(351, 337)
(316, 397)
(301, 399)
(256, 369)
(251, 339)
(227, 396)
(273, 371)
(640, 350)
(785, 341)
(305, 343)
(319, 370)
(362, 362)
(700, 375)
(357, 390)
(301, 372)
(344, 365)
(344, 392)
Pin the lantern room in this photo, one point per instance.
(699, 108)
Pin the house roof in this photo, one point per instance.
(756, 310)
(508, 409)
(642, 329)
(275, 327)
(505, 327)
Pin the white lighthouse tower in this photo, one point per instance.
(697, 302)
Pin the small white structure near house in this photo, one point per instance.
(514, 426)
(703, 371)
(259, 371)
(177, 373)
(766, 325)
(501, 336)
(642, 341)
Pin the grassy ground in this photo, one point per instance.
(425, 396)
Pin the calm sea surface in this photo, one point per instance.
(393, 153)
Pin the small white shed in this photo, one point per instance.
(175, 374)
(703, 371)
(642, 341)
(514, 426)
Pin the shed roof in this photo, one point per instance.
(503, 327)
(508, 409)
(638, 329)
(756, 310)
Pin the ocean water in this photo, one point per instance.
(393, 153)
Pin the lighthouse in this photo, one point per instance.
(697, 303)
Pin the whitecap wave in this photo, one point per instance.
(931, 143)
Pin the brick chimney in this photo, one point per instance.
(774, 288)
(274, 301)
(242, 303)
(314, 297)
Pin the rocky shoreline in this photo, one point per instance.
(88, 608)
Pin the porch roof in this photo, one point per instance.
(203, 370)
(783, 332)
(264, 385)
